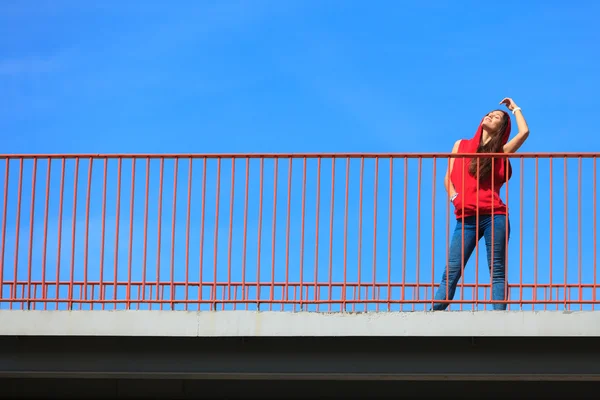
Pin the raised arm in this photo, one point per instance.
(447, 182)
(516, 142)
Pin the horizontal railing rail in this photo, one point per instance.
(316, 232)
(293, 155)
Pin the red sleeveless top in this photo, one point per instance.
(485, 196)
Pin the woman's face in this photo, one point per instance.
(492, 121)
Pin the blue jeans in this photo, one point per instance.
(456, 255)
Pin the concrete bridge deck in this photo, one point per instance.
(246, 354)
(309, 324)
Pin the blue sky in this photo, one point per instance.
(292, 76)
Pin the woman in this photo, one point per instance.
(474, 189)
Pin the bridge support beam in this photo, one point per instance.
(292, 358)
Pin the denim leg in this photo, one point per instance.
(496, 261)
(452, 273)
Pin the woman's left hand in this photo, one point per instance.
(510, 104)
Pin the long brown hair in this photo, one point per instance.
(494, 145)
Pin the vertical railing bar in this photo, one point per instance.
(13, 292)
(307, 287)
(565, 230)
(201, 244)
(521, 234)
(244, 255)
(259, 234)
(462, 236)
(595, 189)
(4, 213)
(506, 290)
(87, 230)
(302, 234)
(229, 246)
(389, 264)
(142, 290)
(345, 281)
(31, 230)
(447, 268)
(287, 234)
(223, 296)
(216, 237)
(101, 287)
(73, 232)
(44, 251)
(275, 176)
(535, 233)
(333, 159)
(173, 222)
(130, 256)
(59, 230)
(187, 231)
(360, 218)
(159, 227)
(433, 184)
(551, 224)
(403, 299)
(579, 251)
(375, 192)
(418, 252)
(491, 256)
(295, 296)
(317, 215)
(477, 242)
(22, 286)
(117, 219)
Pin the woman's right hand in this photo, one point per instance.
(509, 103)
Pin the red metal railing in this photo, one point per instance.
(318, 232)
